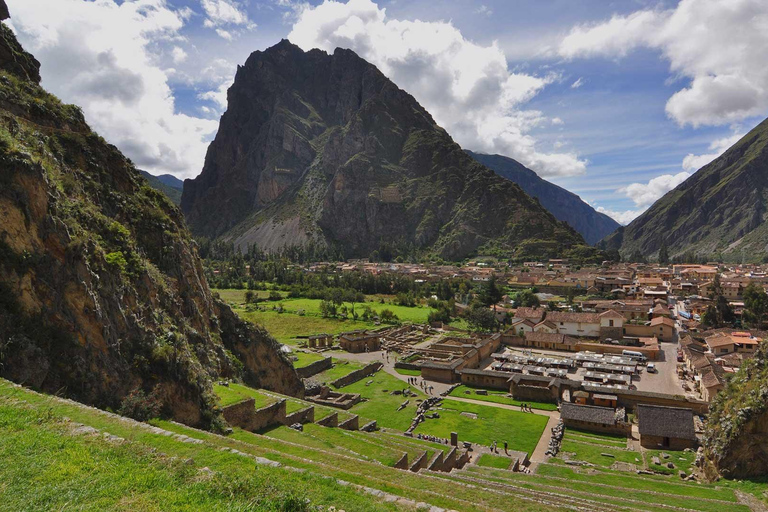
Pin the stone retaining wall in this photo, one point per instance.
(351, 424)
(437, 462)
(332, 420)
(306, 415)
(357, 375)
(420, 463)
(402, 463)
(315, 368)
(369, 427)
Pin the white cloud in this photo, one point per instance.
(719, 45)
(484, 10)
(468, 88)
(693, 162)
(622, 217)
(221, 13)
(644, 194)
(556, 121)
(578, 83)
(99, 55)
(179, 55)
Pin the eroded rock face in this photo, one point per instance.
(736, 436)
(101, 289)
(329, 148)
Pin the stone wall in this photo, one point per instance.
(240, 414)
(420, 462)
(306, 415)
(352, 423)
(402, 463)
(332, 420)
(357, 375)
(315, 368)
(533, 393)
(437, 463)
(485, 379)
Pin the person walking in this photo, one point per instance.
(506, 450)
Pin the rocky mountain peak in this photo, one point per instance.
(323, 149)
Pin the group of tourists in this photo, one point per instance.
(413, 381)
(433, 439)
(525, 408)
(495, 449)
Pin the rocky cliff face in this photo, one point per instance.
(101, 290)
(564, 205)
(720, 211)
(736, 437)
(325, 149)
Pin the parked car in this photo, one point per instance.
(651, 368)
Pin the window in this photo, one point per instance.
(610, 323)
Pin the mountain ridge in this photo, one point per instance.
(718, 212)
(563, 204)
(326, 150)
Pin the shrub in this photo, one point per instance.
(140, 406)
(117, 261)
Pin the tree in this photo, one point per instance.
(756, 302)
(490, 293)
(527, 299)
(663, 254)
(481, 319)
(249, 295)
(719, 312)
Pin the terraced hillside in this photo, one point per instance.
(169, 466)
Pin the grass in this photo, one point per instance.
(339, 369)
(674, 458)
(590, 452)
(380, 405)
(305, 358)
(410, 373)
(498, 397)
(48, 467)
(493, 461)
(288, 327)
(235, 393)
(617, 441)
(521, 430)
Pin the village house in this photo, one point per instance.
(669, 428)
(724, 343)
(592, 325)
(594, 419)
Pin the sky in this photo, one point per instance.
(617, 101)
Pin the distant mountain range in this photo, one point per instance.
(719, 212)
(166, 183)
(566, 206)
(324, 150)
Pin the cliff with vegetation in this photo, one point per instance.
(102, 295)
(736, 437)
(324, 149)
(719, 212)
(564, 205)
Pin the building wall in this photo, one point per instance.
(485, 381)
(618, 428)
(655, 442)
(315, 368)
(590, 330)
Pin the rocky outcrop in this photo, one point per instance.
(324, 149)
(564, 205)
(718, 213)
(736, 436)
(101, 289)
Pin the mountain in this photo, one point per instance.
(720, 211)
(565, 206)
(324, 150)
(102, 295)
(167, 184)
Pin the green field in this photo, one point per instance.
(520, 430)
(301, 317)
(339, 369)
(235, 393)
(380, 405)
(493, 461)
(49, 465)
(498, 397)
(305, 358)
(410, 373)
(580, 449)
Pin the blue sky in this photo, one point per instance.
(615, 101)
